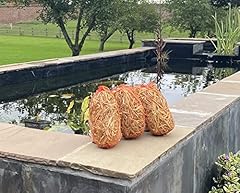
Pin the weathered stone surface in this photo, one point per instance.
(37, 146)
(234, 78)
(127, 159)
(171, 174)
(5, 126)
(188, 119)
(184, 168)
(234, 127)
(224, 88)
(195, 104)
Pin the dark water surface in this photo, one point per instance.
(52, 105)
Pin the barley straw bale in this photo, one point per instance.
(105, 120)
(159, 119)
(131, 111)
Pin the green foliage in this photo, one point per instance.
(227, 32)
(60, 12)
(221, 3)
(2, 2)
(137, 16)
(228, 179)
(109, 21)
(102, 15)
(79, 122)
(191, 15)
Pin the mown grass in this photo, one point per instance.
(36, 41)
(15, 49)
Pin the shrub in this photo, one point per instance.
(228, 178)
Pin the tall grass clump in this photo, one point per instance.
(227, 32)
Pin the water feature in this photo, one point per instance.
(52, 105)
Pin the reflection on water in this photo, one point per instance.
(52, 105)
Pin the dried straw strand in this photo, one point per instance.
(159, 119)
(105, 122)
(131, 111)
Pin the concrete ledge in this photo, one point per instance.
(207, 125)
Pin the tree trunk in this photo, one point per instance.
(87, 32)
(193, 33)
(75, 51)
(131, 38)
(131, 44)
(65, 34)
(101, 46)
(104, 37)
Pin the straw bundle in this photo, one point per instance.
(105, 122)
(159, 119)
(131, 111)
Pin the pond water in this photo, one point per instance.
(52, 105)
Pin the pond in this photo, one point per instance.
(52, 105)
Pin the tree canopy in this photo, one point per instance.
(85, 13)
(2, 2)
(103, 16)
(138, 17)
(192, 15)
(109, 21)
(222, 3)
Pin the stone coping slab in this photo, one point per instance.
(37, 146)
(194, 110)
(60, 61)
(235, 78)
(226, 89)
(130, 158)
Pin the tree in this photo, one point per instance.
(85, 13)
(2, 2)
(138, 17)
(108, 21)
(223, 3)
(192, 15)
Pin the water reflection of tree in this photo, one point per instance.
(189, 83)
(192, 83)
(53, 105)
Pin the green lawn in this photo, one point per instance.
(15, 49)
(35, 41)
